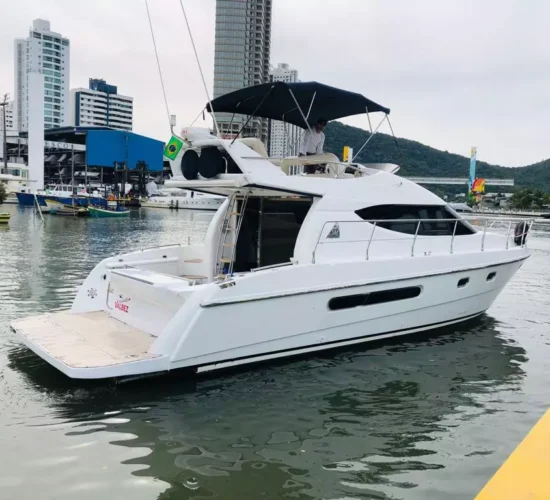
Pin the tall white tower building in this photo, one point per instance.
(283, 138)
(48, 53)
(241, 57)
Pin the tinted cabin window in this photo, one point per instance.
(369, 299)
(269, 231)
(463, 282)
(402, 217)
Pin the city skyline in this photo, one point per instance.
(447, 77)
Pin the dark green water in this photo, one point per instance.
(431, 417)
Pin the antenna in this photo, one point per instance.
(160, 71)
(4, 140)
(200, 68)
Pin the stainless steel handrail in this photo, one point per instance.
(370, 239)
(453, 236)
(414, 239)
(161, 246)
(414, 236)
(272, 266)
(195, 217)
(483, 237)
(128, 266)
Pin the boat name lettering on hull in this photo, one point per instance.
(121, 306)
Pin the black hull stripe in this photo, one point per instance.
(336, 343)
(357, 285)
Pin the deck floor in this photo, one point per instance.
(85, 340)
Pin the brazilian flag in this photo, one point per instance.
(173, 148)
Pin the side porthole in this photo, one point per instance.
(463, 282)
(491, 276)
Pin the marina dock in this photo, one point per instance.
(524, 475)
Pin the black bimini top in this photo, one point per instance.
(280, 101)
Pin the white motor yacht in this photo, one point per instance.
(183, 199)
(15, 179)
(290, 264)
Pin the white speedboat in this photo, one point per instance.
(176, 198)
(290, 264)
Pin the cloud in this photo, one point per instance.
(454, 73)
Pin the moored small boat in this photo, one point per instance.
(57, 208)
(176, 198)
(4, 218)
(105, 212)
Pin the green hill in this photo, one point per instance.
(419, 160)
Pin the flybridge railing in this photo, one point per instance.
(516, 229)
(330, 168)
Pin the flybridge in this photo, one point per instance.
(205, 156)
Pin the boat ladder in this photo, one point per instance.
(229, 234)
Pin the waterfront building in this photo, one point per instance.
(46, 52)
(283, 138)
(101, 105)
(9, 117)
(242, 51)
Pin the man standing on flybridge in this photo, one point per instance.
(312, 143)
(314, 139)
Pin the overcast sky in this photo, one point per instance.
(455, 73)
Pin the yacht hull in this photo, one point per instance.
(29, 200)
(216, 328)
(269, 328)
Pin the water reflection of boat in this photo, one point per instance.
(359, 420)
(119, 211)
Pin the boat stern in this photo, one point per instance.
(89, 345)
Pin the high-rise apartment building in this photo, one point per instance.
(46, 52)
(283, 138)
(9, 118)
(101, 105)
(242, 50)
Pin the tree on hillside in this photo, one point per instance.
(538, 198)
(523, 199)
(419, 160)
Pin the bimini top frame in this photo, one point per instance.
(297, 103)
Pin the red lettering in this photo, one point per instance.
(122, 307)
